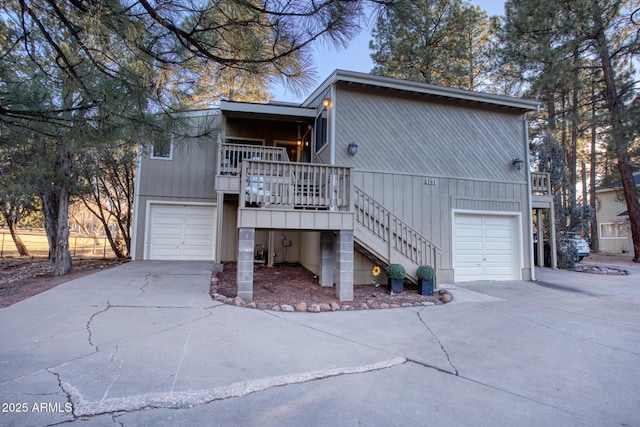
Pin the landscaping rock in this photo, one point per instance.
(239, 302)
(335, 306)
(324, 306)
(301, 306)
(384, 305)
(446, 298)
(406, 304)
(288, 308)
(251, 304)
(220, 298)
(276, 308)
(264, 306)
(428, 303)
(314, 308)
(364, 306)
(347, 307)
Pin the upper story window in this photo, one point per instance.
(162, 148)
(321, 130)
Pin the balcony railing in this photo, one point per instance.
(287, 185)
(541, 183)
(232, 155)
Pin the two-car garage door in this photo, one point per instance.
(485, 247)
(181, 232)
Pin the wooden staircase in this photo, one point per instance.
(386, 239)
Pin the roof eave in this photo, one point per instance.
(423, 88)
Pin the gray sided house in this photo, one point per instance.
(367, 171)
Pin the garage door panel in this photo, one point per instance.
(499, 246)
(469, 246)
(485, 247)
(181, 232)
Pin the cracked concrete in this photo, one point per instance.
(143, 344)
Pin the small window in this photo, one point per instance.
(162, 148)
(321, 130)
(614, 231)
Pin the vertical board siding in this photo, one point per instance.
(190, 172)
(415, 135)
(428, 208)
(612, 203)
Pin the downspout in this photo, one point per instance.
(136, 203)
(525, 124)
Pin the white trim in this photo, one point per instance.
(136, 203)
(527, 165)
(147, 221)
(517, 237)
(154, 157)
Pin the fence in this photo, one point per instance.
(81, 246)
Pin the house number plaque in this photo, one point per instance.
(431, 181)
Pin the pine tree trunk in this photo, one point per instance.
(62, 256)
(22, 248)
(56, 222)
(620, 143)
(595, 242)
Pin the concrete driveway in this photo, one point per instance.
(143, 344)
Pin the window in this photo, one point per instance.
(614, 231)
(321, 130)
(162, 148)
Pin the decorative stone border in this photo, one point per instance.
(445, 297)
(595, 269)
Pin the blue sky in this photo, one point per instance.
(356, 57)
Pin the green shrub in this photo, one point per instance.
(425, 272)
(567, 253)
(395, 271)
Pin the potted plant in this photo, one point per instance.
(396, 274)
(425, 275)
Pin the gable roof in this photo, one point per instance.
(352, 78)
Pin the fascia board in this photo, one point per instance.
(423, 88)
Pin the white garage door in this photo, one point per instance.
(181, 232)
(484, 248)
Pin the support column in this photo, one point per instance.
(540, 245)
(344, 255)
(552, 238)
(244, 275)
(328, 258)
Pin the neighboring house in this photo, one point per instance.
(614, 230)
(368, 170)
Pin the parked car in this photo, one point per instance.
(581, 245)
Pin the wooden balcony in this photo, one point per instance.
(295, 196)
(541, 183)
(541, 194)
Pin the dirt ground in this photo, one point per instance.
(293, 284)
(23, 277)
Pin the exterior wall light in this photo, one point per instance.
(326, 102)
(353, 149)
(517, 163)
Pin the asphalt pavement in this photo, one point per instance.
(143, 344)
